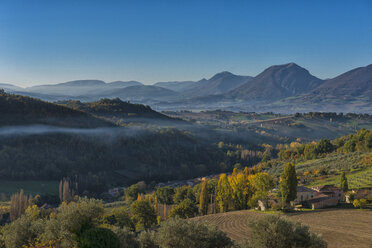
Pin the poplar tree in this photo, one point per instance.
(18, 204)
(223, 193)
(203, 208)
(288, 183)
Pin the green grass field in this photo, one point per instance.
(29, 187)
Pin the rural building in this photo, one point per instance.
(318, 197)
(304, 194)
(321, 201)
(331, 191)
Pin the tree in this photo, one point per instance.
(324, 146)
(127, 238)
(132, 192)
(288, 183)
(143, 214)
(165, 195)
(98, 238)
(183, 193)
(18, 204)
(344, 183)
(223, 193)
(185, 209)
(22, 231)
(240, 190)
(272, 231)
(203, 207)
(118, 217)
(178, 233)
(262, 183)
(72, 220)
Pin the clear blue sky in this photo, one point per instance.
(156, 40)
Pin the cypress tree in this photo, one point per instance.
(288, 183)
(344, 183)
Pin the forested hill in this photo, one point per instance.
(23, 110)
(117, 109)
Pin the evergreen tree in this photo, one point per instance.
(203, 208)
(288, 183)
(344, 183)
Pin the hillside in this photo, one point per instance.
(350, 91)
(22, 110)
(117, 109)
(46, 141)
(277, 82)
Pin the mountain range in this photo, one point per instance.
(280, 88)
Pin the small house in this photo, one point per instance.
(321, 201)
(331, 191)
(304, 194)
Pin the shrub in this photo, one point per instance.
(273, 231)
(126, 238)
(178, 233)
(98, 238)
(147, 239)
(22, 231)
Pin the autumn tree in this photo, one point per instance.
(66, 193)
(240, 190)
(18, 204)
(288, 183)
(262, 183)
(203, 207)
(223, 193)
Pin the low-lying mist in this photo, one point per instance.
(38, 129)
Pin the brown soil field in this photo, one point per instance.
(341, 228)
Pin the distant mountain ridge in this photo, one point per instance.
(276, 82)
(284, 88)
(218, 84)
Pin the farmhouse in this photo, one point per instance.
(318, 197)
(321, 201)
(331, 191)
(304, 194)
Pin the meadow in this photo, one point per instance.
(29, 187)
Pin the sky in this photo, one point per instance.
(47, 41)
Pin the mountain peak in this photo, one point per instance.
(278, 81)
(222, 75)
